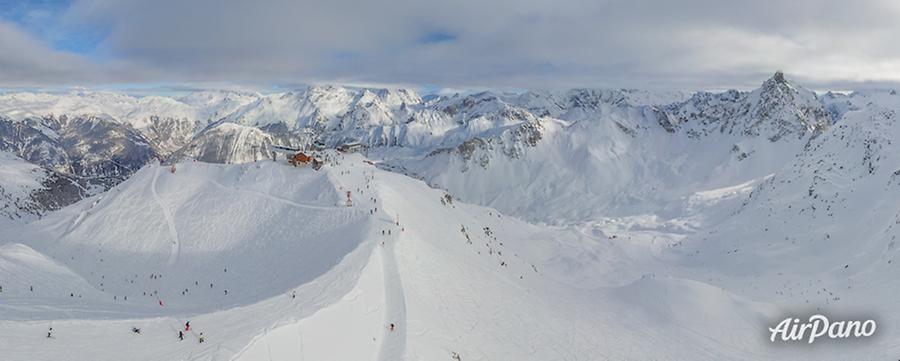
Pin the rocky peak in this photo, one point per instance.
(778, 88)
(778, 109)
(786, 108)
(778, 77)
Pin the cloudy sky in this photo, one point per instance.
(666, 44)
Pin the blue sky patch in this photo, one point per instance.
(43, 20)
(436, 37)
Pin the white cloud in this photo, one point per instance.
(25, 60)
(504, 43)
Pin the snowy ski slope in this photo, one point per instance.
(310, 278)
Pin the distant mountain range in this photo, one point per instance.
(627, 142)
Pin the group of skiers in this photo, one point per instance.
(30, 288)
(155, 293)
(187, 328)
(137, 331)
(187, 325)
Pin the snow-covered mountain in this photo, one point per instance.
(424, 276)
(327, 108)
(617, 147)
(91, 147)
(232, 143)
(569, 225)
(28, 191)
(597, 154)
(20, 180)
(331, 114)
(837, 196)
(777, 109)
(332, 272)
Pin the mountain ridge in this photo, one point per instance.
(398, 125)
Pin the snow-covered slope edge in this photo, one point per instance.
(28, 191)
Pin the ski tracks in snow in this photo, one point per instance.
(176, 243)
(269, 196)
(393, 343)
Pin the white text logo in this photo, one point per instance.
(793, 329)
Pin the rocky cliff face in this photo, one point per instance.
(778, 109)
(168, 135)
(28, 191)
(78, 157)
(86, 147)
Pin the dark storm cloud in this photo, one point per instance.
(467, 43)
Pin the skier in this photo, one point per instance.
(201, 339)
(180, 336)
(392, 327)
(50, 332)
(187, 326)
(136, 330)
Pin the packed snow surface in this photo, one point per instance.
(404, 272)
